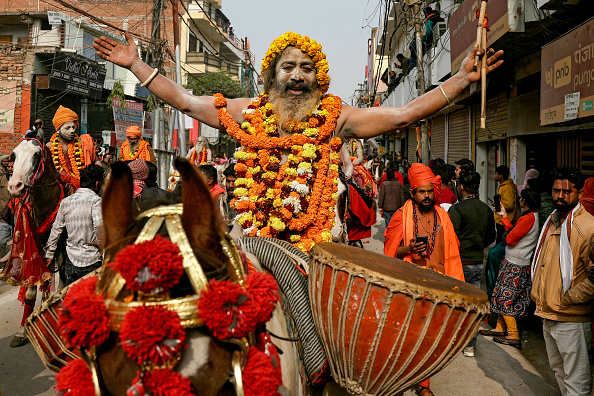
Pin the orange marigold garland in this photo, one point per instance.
(83, 317)
(295, 201)
(153, 266)
(152, 335)
(75, 380)
(75, 156)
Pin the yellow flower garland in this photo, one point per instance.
(308, 46)
(294, 201)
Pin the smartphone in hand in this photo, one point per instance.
(422, 239)
(497, 202)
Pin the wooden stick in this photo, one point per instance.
(484, 81)
(479, 30)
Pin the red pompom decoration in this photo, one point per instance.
(263, 291)
(152, 334)
(259, 377)
(151, 267)
(164, 382)
(83, 317)
(75, 380)
(227, 310)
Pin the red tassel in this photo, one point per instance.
(259, 377)
(75, 380)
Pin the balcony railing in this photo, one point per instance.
(204, 58)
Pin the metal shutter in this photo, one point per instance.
(497, 108)
(458, 135)
(411, 144)
(438, 137)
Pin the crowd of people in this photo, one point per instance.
(534, 238)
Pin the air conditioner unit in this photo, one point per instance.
(439, 30)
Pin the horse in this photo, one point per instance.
(207, 361)
(35, 184)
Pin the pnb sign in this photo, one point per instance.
(567, 73)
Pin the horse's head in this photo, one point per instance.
(206, 361)
(28, 159)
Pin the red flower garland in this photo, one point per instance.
(152, 334)
(75, 380)
(263, 291)
(226, 310)
(150, 267)
(83, 317)
(259, 377)
(164, 382)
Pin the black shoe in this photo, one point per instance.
(508, 341)
(18, 341)
(494, 333)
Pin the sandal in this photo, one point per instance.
(423, 391)
(508, 341)
(494, 333)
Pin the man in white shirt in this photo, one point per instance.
(80, 215)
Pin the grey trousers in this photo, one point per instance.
(568, 344)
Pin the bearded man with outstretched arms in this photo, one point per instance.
(292, 133)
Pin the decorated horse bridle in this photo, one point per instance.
(190, 308)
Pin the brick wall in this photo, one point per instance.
(11, 69)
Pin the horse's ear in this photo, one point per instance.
(117, 203)
(200, 217)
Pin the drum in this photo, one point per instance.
(46, 336)
(386, 324)
(44, 332)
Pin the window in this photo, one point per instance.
(192, 43)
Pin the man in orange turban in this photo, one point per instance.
(422, 233)
(70, 152)
(136, 147)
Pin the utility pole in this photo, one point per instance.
(421, 82)
(181, 127)
(247, 73)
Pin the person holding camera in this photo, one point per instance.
(422, 233)
(508, 197)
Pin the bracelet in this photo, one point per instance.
(152, 77)
(444, 95)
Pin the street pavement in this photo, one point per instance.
(495, 370)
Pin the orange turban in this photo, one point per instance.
(132, 131)
(64, 115)
(420, 174)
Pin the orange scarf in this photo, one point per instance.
(402, 230)
(142, 152)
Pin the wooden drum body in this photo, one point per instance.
(386, 324)
(45, 334)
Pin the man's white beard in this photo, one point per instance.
(291, 108)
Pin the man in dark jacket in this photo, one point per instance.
(391, 196)
(475, 227)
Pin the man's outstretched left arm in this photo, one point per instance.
(369, 122)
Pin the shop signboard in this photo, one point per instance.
(124, 117)
(77, 74)
(567, 76)
(463, 24)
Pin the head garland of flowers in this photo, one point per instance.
(308, 46)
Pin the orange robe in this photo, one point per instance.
(401, 229)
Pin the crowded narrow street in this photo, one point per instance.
(496, 370)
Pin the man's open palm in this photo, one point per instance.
(120, 54)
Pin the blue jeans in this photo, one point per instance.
(388, 216)
(74, 273)
(473, 274)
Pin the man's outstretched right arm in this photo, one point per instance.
(198, 107)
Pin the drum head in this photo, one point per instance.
(394, 273)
